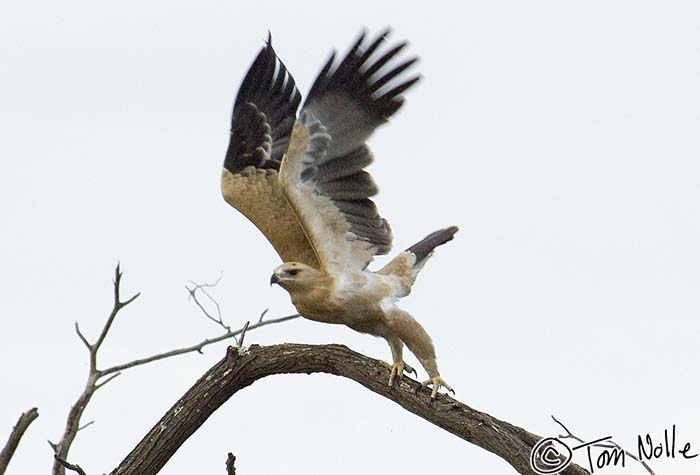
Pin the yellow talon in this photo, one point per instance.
(396, 372)
(437, 382)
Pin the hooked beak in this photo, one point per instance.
(274, 279)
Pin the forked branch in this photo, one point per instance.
(93, 383)
(97, 378)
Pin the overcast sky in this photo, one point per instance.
(562, 137)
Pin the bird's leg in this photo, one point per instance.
(435, 380)
(397, 354)
(418, 341)
(399, 365)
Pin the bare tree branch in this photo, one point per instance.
(240, 369)
(84, 426)
(201, 287)
(75, 468)
(239, 341)
(75, 414)
(231, 464)
(118, 305)
(97, 378)
(195, 348)
(102, 383)
(15, 436)
(82, 337)
(207, 341)
(262, 315)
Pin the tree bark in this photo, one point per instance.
(241, 368)
(15, 436)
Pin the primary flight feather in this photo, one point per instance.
(302, 182)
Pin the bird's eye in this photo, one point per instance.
(293, 271)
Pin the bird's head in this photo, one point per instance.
(295, 276)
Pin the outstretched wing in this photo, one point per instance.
(323, 173)
(263, 117)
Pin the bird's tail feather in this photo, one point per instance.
(425, 247)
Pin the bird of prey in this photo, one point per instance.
(302, 182)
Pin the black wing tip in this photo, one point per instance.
(379, 37)
(266, 69)
(263, 112)
(370, 72)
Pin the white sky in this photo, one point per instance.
(562, 137)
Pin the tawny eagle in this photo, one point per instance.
(302, 182)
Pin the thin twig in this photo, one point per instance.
(193, 295)
(201, 287)
(15, 436)
(102, 383)
(194, 348)
(118, 305)
(212, 284)
(85, 425)
(82, 337)
(240, 340)
(610, 445)
(69, 466)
